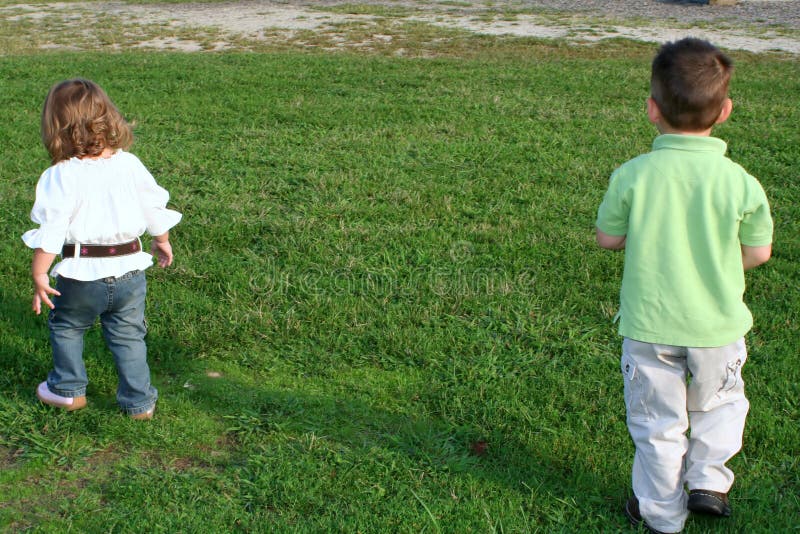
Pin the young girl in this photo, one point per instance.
(92, 205)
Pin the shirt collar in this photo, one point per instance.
(692, 143)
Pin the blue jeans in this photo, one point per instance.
(119, 302)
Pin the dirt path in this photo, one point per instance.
(754, 25)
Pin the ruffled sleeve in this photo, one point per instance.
(54, 206)
(154, 200)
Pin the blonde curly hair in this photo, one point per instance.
(79, 120)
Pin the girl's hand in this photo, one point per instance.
(42, 292)
(163, 251)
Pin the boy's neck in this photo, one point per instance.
(667, 129)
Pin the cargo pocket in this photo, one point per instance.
(733, 377)
(634, 391)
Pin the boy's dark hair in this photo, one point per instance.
(689, 83)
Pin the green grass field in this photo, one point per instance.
(384, 263)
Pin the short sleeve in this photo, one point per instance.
(612, 216)
(52, 210)
(756, 226)
(154, 200)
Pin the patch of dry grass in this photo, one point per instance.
(389, 29)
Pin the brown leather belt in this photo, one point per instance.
(101, 251)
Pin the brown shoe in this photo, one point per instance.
(709, 502)
(70, 404)
(144, 416)
(635, 518)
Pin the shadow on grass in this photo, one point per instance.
(24, 347)
(299, 454)
(277, 435)
(343, 442)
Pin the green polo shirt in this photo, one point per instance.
(685, 209)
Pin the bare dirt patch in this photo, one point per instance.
(755, 25)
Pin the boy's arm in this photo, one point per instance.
(611, 242)
(755, 256)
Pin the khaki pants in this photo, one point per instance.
(669, 389)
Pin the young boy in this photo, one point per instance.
(691, 222)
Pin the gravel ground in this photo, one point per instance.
(756, 12)
(753, 25)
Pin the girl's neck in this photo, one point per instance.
(105, 154)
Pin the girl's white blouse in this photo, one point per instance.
(102, 202)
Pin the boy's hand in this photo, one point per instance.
(41, 292)
(163, 251)
(610, 242)
(755, 256)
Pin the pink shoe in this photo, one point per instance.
(70, 404)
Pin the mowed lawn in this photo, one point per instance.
(387, 312)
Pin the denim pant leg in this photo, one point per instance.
(124, 331)
(75, 311)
